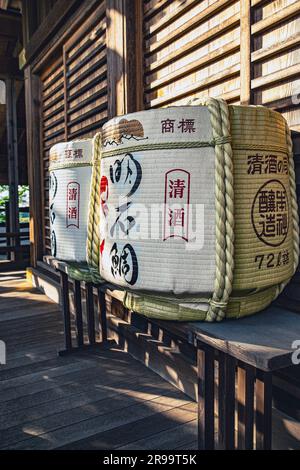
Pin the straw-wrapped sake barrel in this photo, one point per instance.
(198, 213)
(69, 189)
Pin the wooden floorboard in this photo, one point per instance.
(85, 400)
(100, 400)
(144, 428)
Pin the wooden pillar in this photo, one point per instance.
(13, 177)
(32, 98)
(124, 56)
(226, 401)
(264, 411)
(206, 384)
(245, 405)
(64, 282)
(245, 49)
(135, 55)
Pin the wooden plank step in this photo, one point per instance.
(127, 434)
(87, 383)
(79, 372)
(109, 420)
(112, 401)
(84, 396)
(167, 440)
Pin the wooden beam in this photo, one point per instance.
(276, 77)
(222, 76)
(201, 17)
(196, 43)
(13, 173)
(116, 75)
(194, 66)
(134, 55)
(273, 20)
(59, 35)
(274, 49)
(48, 27)
(124, 56)
(245, 41)
(9, 68)
(32, 99)
(29, 20)
(10, 25)
(169, 19)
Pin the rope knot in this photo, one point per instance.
(221, 140)
(218, 304)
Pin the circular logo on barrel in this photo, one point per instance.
(270, 213)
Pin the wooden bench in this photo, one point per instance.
(235, 362)
(81, 341)
(238, 358)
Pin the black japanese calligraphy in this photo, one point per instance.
(124, 264)
(272, 260)
(270, 213)
(186, 126)
(260, 164)
(127, 170)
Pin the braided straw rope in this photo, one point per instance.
(166, 145)
(93, 239)
(224, 193)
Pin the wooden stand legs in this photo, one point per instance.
(90, 316)
(241, 417)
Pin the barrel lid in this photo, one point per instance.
(71, 154)
(176, 124)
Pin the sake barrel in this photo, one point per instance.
(69, 189)
(198, 209)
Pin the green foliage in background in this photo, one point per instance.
(23, 201)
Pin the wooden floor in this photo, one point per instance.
(106, 400)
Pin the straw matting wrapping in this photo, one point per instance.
(254, 229)
(70, 175)
(139, 180)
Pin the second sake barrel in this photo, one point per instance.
(69, 191)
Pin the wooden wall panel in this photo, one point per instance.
(246, 51)
(191, 49)
(53, 130)
(135, 54)
(85, 59)
(73, 95)
(276, 57)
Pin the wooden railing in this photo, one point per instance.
(14, 244)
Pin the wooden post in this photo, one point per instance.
(90, 312)
(245, 49)
(13, 177)
(124, 56)
(206, 418)
(226, 401)
(134, 55)
(78, 313)
(116, 79)
(103, 311)
(32, 98)
(264, 411)
(245, 399)
(64, 282)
